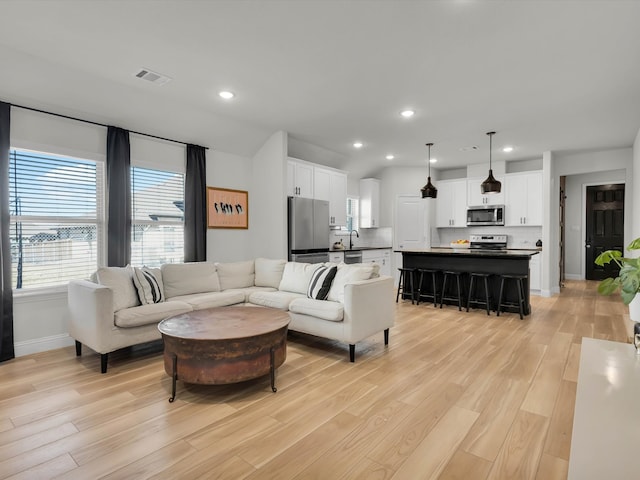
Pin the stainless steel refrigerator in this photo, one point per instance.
(308, 230)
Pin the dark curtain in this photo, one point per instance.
(119, 197)
(6, 293)
(195, 205)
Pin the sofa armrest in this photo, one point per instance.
(368, 307)
(91, 314)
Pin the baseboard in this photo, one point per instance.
(43, 344)
(573, 276)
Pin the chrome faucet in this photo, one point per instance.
(350, 241)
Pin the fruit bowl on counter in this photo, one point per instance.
(460, 244)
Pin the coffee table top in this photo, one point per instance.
(224, 323)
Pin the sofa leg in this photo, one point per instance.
(352, 352)
(78, 348)
(386, 336)
(103, 362)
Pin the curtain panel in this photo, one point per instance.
(6, 293)
(195, 205)
(119, 197)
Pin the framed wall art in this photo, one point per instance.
(227, 208)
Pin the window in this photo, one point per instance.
(56, 212)
(352, 213)
(157, 230)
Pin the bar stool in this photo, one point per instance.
(434, 292)
(446, 274)
(519, 286)
(402, 283)
(477, 301)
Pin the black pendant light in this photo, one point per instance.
(429, 191)
(490, 185)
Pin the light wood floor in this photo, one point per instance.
(454, 395)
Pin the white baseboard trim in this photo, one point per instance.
(573, 276)
(43, 344)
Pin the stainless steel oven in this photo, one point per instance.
(485, 215)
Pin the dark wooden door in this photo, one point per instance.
(605, 227)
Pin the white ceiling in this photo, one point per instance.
(546, 75)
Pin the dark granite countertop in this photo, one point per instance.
(358, 249)
(467, 252)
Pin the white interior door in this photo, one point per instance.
(409, 227)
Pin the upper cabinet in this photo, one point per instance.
(331, 185)
(369, 203)
(299, 179)
(475, 198)
(523, 199)
(451, 204)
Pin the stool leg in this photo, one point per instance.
(400, 279)
(419, 288)
(413, 291)
(444, 289)
(459, 293)
(520, 298)
(486, 294)
(500, 295)
(470, 291)
(435, 291)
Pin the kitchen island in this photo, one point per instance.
(466, 260)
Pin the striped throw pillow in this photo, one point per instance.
(321, 282)
(148, 282)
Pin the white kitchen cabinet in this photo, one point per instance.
(336, 257)
(451, 204)
(523, 199)
(475, 198)
(535, 272)
(380, 256)
(299, 178)
(369, 203)
(331, 185)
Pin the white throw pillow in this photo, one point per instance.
(148, 283)
(321, 281)
(348, 273)
(120, 281)
(296, 276)
(236, 274)
(269, 272)
(187, 278)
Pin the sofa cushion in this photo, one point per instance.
(269, 272)
(147, 314)
(249, 290)
(120, 281)
(348, 273)
(236, 274)
(277, 299)
(187, 278)
(148, 283)
(320, 283)
(212, 299)
(332, 311)
(296, 276)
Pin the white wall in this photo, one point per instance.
(634, 209)
(226, 170)
(267, 200)
(575, 216)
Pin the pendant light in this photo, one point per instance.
(490, 185)
(429, 191)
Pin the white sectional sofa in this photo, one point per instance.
(121, 307)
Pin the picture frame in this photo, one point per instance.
(227, 208)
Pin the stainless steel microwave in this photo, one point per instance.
(485, 215)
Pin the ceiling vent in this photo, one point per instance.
(469, 149)
(151, 76)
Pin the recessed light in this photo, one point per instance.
(357, 144)
(389, 157)
(408, 113)
(433, 160)
(507, 149)
(226, 95)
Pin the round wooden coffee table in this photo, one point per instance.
(224, 345)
